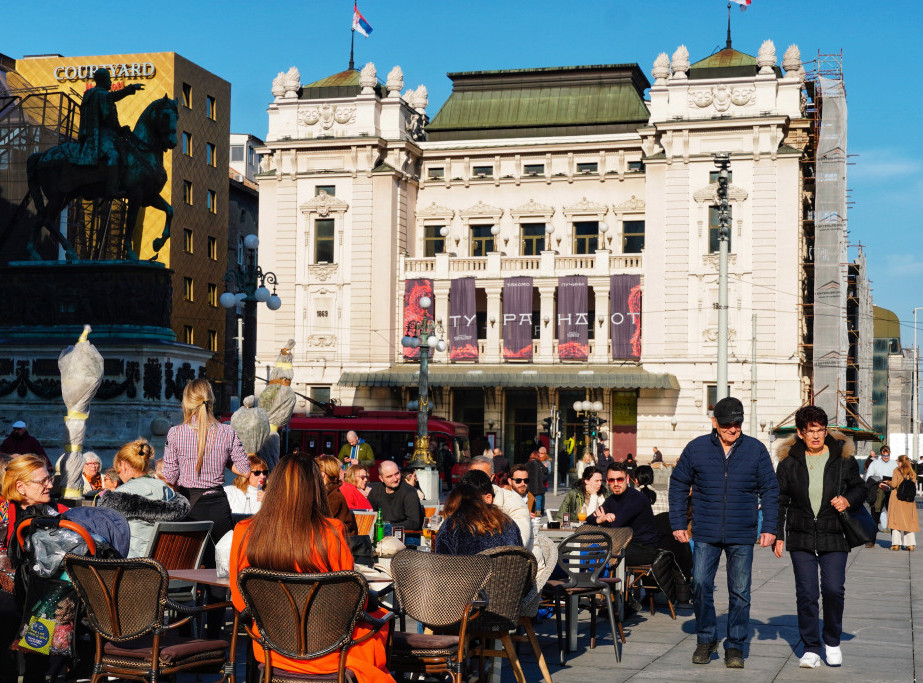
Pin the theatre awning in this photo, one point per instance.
(561, 376)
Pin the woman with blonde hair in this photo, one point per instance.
(902, 514)
(330, 470)
(142, 498)
(246, 493)
(355, 487)
(194, 460)
(584, 462)
(293, 532)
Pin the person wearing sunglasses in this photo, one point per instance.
(519, 483)
(246, 493)
(731, 476)
(628, 508)
(355, 488)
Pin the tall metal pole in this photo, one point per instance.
(915, 396)
(753, 380)
(554, 444)
(421, 449)
(723, 162)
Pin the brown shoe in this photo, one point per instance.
(910, 548)
(870, 544)
(895, 547)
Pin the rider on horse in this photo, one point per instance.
(101, 138)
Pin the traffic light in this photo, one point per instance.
(592, 426)
(547, 425)
(599, 423)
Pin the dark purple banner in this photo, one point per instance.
(517, 318)
(414, 290)
(573, 318)
(463, 329)
(625, 316)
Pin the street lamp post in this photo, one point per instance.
(424, 334)
(246, 286)
(723, 163)
(915, 396)
(591, 410)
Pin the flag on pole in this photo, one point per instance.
(744, 4)
(365, 28)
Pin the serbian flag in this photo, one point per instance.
(744, 4)
(365, 28)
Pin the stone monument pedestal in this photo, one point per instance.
(428, 477)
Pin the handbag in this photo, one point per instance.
(858, 526)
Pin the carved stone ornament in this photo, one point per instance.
(661, 70)
(322, 272)
(585, 206)
(633, 205)
(532, 208)
(327, 114)
(680, 62)
(791, 62)
(322, 340)
(482, 210)
(435, 210)
(368, 78)
(721, 97)
(713, 260)
(292, 83)
(420, 98)
(266, 163)
(766, 57)
(710, 334)
(408, 96)
(395, 82)
(709, 194)
(278, 85)
(323, 205)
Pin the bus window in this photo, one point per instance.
(462, 449)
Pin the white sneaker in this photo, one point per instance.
(834, 655)
(810, 660)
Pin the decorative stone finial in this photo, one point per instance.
(395, 82)
(292, 82)
(766, 57)
(408, 96)
(368, 78)
(791, 61)
(278, 85)
(420, 98)
(680, 62)
(661, 70)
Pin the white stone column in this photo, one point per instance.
(492, 352)
(601, 338)
(546, 335)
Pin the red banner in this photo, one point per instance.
(463, 329)
(414, 290)
(517, 318)
(573, 318)
(625, 316)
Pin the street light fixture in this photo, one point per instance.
(591, 419)
(247, 286)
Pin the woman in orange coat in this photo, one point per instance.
(292, 532)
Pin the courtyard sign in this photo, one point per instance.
(86, 71)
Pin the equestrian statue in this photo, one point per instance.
(107, 161)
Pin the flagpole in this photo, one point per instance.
(729, 27)
(352, 42)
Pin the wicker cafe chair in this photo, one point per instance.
(438, 591)
(621, 537)
(125, 603)
(365, 521)
(583, 556)
(179, 545)
(512, 578)
(306, 616)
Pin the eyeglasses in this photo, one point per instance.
(47, 481)
(616, 480)
(815, 432)
(521, 480)
(363, 476)
(91, 464)
(257, 473)
(731, 425)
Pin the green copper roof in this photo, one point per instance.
(538, 102)
(723, 58)
(887, 324)
(342, 84)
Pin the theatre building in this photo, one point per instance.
(564, 223)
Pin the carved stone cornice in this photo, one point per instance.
(323, 205)
(532, 209)
(711, 260)
(435, 210)
(586, 208)
(721, 97)
(709, 194)
(322, 272)
(481, 210)
(633, 205)
(322, 340)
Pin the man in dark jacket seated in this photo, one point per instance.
(731, 475)
(397, 500)
(628, 507)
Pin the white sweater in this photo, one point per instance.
(243, 503)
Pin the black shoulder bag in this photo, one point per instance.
(858, 526)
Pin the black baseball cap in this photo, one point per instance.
(729, 410)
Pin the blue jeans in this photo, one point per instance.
(540, 503)
(832, 566)
(704, 569)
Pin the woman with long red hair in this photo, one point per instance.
(293, 532)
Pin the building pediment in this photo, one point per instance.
(532, 209)
(633, 205)
(709, 194)
(324, 204)
(482, 210)
(435, 210)
(585, 207)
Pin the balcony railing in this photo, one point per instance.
(547, 264)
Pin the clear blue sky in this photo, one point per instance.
(248, 43)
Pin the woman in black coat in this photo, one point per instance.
(818, 478)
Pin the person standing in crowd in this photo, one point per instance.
(628, 508)
(194, 459)
(510, 502)
(818, 479)
(20, 442)
(902, 514)
(472, 524)
(355, 488)
(584, 462)
(878, 474)
(245, 495)
(397, 500)
(868, 461)
(501, 462)
(882, 467)
(356, 451)
(730, 474)
(336, 502)
(586, 495)
(92, 480)
(142, 498)
(538, 475)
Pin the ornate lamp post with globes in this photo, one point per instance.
(246, 286)
(591, 419)
(424, 335)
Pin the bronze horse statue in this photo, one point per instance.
(54, 181)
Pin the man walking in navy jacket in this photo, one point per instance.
(731, 476)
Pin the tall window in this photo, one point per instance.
(210, 156)
(533, 239)
(481, 240)
(433, 241)
(187, 144)
(210, 108)
(212, 201)
(713, 212)
(213, 295)
(188, 289)
(586, 237)
(187, 192)
(323, 241)
(213, 341)
(188, 335)
(187, 240)
(213, 248)
(187, 96)
(632, 237)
